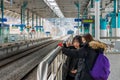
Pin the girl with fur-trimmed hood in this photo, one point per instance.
(89, 52)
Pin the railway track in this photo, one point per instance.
(14, 56)
(20, 65)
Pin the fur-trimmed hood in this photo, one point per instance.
(97, 45)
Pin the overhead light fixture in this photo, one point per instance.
(6, 1)
(50, 0)
(9, 1)
(56, 8)
(53, 5)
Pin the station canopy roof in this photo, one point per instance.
(49, 8)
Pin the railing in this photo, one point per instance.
(10, 47)
(50, 68)
(112, 42)
(110, 38)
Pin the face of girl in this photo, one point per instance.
(83, 40)
(76, 44)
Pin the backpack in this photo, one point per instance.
(101, 68)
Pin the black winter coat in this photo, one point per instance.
(70, 63)
(86, 53)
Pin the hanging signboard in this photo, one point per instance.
(87, 20)
(77, 20)
(3, 20)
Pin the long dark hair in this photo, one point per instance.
(88, 37)
(78, 38)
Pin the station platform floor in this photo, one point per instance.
(115, 66)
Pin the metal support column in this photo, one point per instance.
(37, 25)
(117, 18)
(2, 10)
(32, 20)
(83, 28)
(113, 24)
(79, 18)
(86, 28)
(103, 27)
(103, 22)
(36, 20)
(118, 32)
(118, 29)
(27, 17)
(90, 29)
(33, 29)
(23, 8)
(40, 27)
(11, 2)
(28, 26)
(93, 24)
(90, 17)
(97, 19)
(28, 20)
(77, 4)
(2, 16)
(40, 21)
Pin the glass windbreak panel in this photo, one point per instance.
(0, 35)
(0, 31)
(5, 33)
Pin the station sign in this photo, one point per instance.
(47, 32)
(3, 19)
(75, 26)
(86, 25)
(77, 20)
(87, 20)
(18, 25)
(14, 27)
(37, 28)
(4, 25)
(40, 26)
(70, 32)
(28, 27)
(22, 26)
